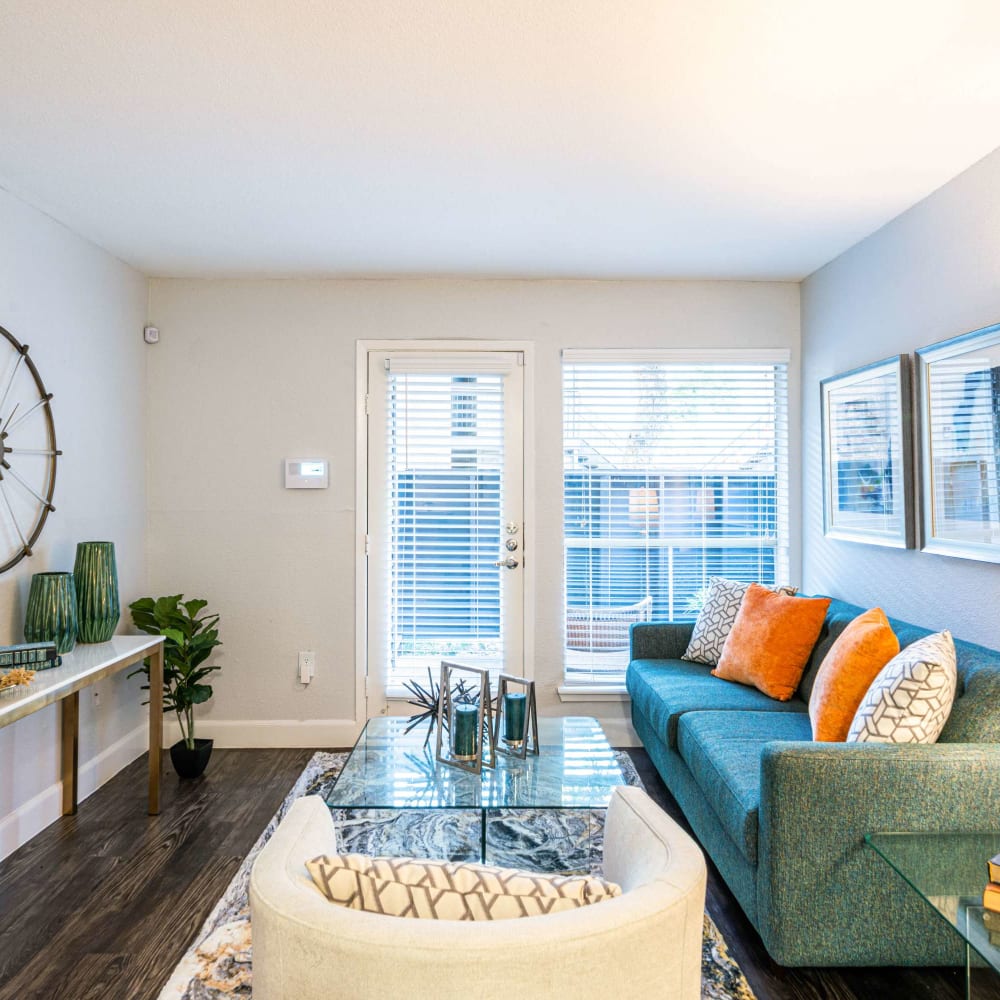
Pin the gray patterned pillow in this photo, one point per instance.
(715, 620)
(910, 699)
(446, 890)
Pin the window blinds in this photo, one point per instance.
(444, 462)
(675, 470)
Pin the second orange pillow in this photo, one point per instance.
(847, 671)
(771, 640)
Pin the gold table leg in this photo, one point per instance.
(69, 717)
(155, 726)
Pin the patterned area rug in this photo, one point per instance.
(218, 966)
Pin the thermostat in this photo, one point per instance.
(307, 473)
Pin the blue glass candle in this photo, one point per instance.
(514, 703)
(464, 732)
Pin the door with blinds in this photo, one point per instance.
(445, 532)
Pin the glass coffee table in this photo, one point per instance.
(948, 871)
(484, 817)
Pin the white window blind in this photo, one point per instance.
(444, 462)
(675, 470)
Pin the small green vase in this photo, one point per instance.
(51, 614)
(96, 577)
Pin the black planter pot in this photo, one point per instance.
(190, 763)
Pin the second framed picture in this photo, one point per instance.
(867, 454)
(960, 445)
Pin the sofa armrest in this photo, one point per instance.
(817, 802)
(659, 640)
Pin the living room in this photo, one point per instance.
(284, 193)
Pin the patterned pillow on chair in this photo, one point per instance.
(446, 890)
(911, 698)
(715, 620)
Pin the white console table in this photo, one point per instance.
(85, 665)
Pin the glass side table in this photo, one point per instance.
(948, 871)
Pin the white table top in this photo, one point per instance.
(87, 663)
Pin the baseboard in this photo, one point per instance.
(46, 807)
(235, 734)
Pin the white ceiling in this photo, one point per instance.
(539, 138)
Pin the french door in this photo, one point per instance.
(445, 521)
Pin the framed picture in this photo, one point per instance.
(867, 454)
(959, 383)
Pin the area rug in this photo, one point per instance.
(218, 965)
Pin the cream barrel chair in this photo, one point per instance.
(646, 942)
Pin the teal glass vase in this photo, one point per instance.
(96, 577)
(51, 614)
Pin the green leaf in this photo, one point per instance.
(193, 607)
(200, 693)
(164, 607)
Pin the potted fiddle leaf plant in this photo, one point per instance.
(189, 641)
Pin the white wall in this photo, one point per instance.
(250, 372)
(81, 311)
(932, 273)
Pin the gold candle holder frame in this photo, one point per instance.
(486, 752)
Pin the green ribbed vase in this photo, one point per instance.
(51, 614)
(96, 577)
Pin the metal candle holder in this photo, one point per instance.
(528, 743)
(485, 749)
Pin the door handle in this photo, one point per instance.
(509, 563)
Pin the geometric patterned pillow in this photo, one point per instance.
(910, 699)
(715, 620)
(447, 890)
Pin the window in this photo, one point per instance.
(675, 469)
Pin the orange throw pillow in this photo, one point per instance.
(771, 640)
(846, 673)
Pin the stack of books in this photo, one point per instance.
(991, 901)
(34, 655)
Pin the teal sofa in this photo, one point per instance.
(784, 817)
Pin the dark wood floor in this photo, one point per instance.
(101, 906)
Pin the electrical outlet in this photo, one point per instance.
(307, 666)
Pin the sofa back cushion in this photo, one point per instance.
(975, 714)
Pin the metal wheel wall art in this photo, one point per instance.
(28, 452)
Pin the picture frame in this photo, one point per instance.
(477, 701)
(516, 736)
(959, 390)
(867, 429)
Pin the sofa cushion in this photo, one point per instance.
(771, 640)
(448, 890)
(722, 751)
(911, 698)
(663, 690)
(715, 620)
(847, 671)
